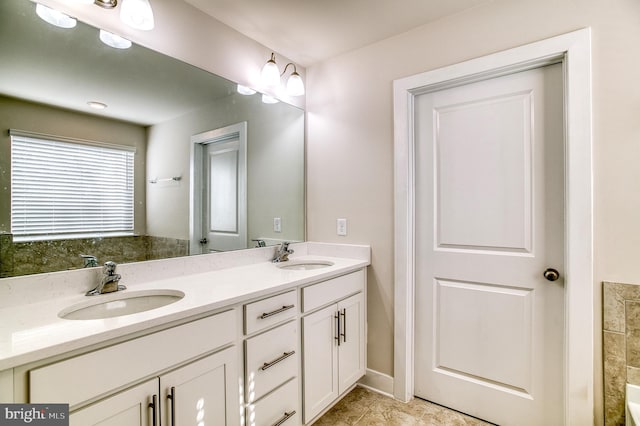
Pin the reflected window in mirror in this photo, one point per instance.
(69, 189)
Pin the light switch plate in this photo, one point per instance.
(342, 226)
(277, 224)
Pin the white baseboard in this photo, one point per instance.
(378, 382)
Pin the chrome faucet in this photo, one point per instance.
(109, 281)
(90, 260)
(282, 253)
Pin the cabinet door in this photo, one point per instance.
(351, 352)
(132, 407)
(320, 352)
(203, 392)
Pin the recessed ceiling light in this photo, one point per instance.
(97, 105)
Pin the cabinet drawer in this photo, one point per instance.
(267, 312)
(317, 295)
(96, 373)
(271, 359)
(278, 408)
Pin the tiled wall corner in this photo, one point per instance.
(6, 255)
(621, 346)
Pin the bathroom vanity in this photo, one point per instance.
(250, 342)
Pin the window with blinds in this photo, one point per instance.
(69, 189)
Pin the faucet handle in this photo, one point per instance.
(110, 267)
(89, 260)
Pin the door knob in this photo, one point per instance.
(551, 274)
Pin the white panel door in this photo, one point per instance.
(225, 203)
(136, 406)
(490, 221)
(351, 357)
(203, 392)
(320, 360)
(218, 190)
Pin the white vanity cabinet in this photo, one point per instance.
(191, 394)
(151, 380)
(274, 353)
(333, 340)
(133, 407)
(272, 363)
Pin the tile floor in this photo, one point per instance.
(364, 407)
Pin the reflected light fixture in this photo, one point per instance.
(137, 14)
(54, 17)
(271, 77)
(266, 99)
(114, 40)
(97, 105)
(244, 90)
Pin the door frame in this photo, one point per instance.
(573, 50)
(198, 145)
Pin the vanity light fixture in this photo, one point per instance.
(114, 40)
(244, 90)
(106, 4)
(271, 77)
(137, 14)
(295, 86)
(54, 17)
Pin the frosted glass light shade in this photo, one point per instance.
(295, 86)
(244, 90)
(54, 17)
(270, 74)
(114, 40)
(266, 99)
(137, 14)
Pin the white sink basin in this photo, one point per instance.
(304, 265)
(120, 303)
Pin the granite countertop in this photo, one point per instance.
(31, 332)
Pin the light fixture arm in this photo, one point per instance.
(295, 71)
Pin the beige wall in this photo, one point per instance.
(31, 117)
(275, 169)
(350, 136)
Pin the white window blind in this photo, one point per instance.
(62, 189)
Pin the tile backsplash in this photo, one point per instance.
(621, 346)
(35, 257)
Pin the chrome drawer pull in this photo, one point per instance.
(284, 418)
(277, 360)
(277, 311)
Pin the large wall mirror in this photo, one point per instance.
(179, 121)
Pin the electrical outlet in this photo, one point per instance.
(342, 226)
(277, 224)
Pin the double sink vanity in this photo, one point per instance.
(220, 339)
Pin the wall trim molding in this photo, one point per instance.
(573, 50)
(377, 382)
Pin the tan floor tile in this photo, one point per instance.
(363, 407)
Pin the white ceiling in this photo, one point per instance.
(309, 31)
